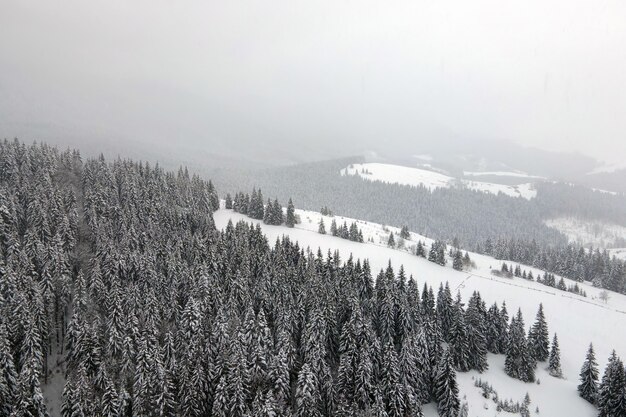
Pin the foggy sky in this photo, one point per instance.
(231, 76)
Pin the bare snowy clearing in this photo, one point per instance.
(396, 174)
(573, 317)
(517, 174)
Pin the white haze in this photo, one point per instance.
(233, 76)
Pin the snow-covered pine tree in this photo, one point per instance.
(8, 375)
(475, 316)
(441, 253)
(554, 363)
(459, 349)
(277, 213)
(307, 397)
(321, 228)
(392, 387)
(268, 213)
(228, 202)
(492, 333)
(446, 388)
(290, 219)
(432, 253)
(519, 362)
(419, 249)
(588, 387)
(503, 325)
(445, 310)
(538, 338)
(457, 260)
(610, 400)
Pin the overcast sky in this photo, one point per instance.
(550, 74)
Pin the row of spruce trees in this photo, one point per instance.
(609, 395)
(271, 213)
(574, 262)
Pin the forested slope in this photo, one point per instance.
(115, 283)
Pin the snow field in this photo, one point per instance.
(396, 174)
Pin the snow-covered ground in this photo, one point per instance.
(604, 191)
(577, 320)
(608, 168)
(586, 232)
(517, 174)
(397, 174)
(618, 253)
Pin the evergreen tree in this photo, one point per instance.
(612, 390)
(476, 333)
(391, 242)
(290, 220)
(493, 329)
(333, 228)
(457, 260)
(519, 362)
(8, 376)
(307, 394)
(322, 228)
(538, 337)
(445, 310)
(268, 213)
(441, 253)
(392, 386)
(554, 364)
(229, 202)
(432, 253)
(459, 348)
(277, 213)
(446, 388)
(419, 249)
(588, 387)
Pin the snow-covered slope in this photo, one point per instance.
(397, 174)
(619, 253)
(517, 174)
(576, 319)
(596, 233)
(608, 168)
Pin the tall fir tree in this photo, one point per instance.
(554, 363)
(446, 388)
(519, 362)
(538, 338)
(321, 228)
(612, 392)
(457, 260)
(307, 394)
(290, 219)
(588, 387)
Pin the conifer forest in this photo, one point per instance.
(115, 280)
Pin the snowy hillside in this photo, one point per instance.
(396, 174)
(573, 317)
(595, 233)
(618, 253)
(518, 174)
